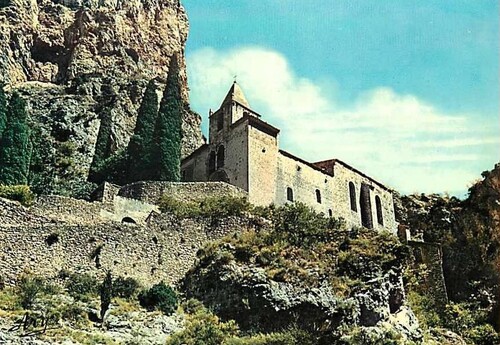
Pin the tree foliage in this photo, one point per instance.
(139, 148)
(106, 292)
(167, 134)
(3, 110)
(103, 147)
(15, 145)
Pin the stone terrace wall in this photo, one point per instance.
(163, 251)
(151, 191)
(14, 214)
(67, 210)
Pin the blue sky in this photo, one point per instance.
(407, 91)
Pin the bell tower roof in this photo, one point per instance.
(236, 94)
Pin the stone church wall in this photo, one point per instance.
(334, 190)
(262, 165)
(304, 181)
(344, 175)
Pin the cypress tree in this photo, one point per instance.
(140, 145)
(103, 146)
(14, 153)
(3, 110)
(168, 135)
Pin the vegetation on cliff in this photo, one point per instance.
(154, 151)
(305, 271)
(469, 233)
(3, 110)
(168, 133)
(15, 146)
(78, 308)
(139, 147)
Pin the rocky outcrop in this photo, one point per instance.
(73, 60)
(248, 294)
(469, 233)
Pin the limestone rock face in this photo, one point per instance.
(74, 58)
(246, 294)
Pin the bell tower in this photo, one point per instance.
(233, 107)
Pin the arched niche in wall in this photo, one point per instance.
(219, 176)
(366, 206)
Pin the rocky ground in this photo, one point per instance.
(125, 323)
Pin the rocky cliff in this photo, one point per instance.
(72, 59)
(469, 233)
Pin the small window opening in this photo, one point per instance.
(299, 168)
(220, 157)
(289, 194)
(330, 213)
(318, 196)
(352, 195)
(378, 205)
(220, 121)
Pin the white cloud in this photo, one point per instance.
(399, 139)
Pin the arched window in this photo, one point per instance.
(289, 194)
(211, 162)
(352, 195)
(330, 213)
(378, 205)
(220, 157)
(318, 196)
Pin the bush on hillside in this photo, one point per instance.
(19, 193)
(81, 286)
(203, 327)
(125, 287)
(29, 288)
(211, 207)
(159, 296)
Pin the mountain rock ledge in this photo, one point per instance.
(74, 60)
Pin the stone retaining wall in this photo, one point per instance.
(151, 191)
(164, 250)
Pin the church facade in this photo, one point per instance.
(243, 150)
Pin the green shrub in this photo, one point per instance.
(125, 287)
(204, 328)
(211, 207)
(106, 293)
(372, 336)
(19, 193)
(29, 288)
(159, 296)
(224, 206)
(81, 286)
(181, 209)
(290, 337)
(300, 225)
(483, 334)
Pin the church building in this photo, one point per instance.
(243, 150)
